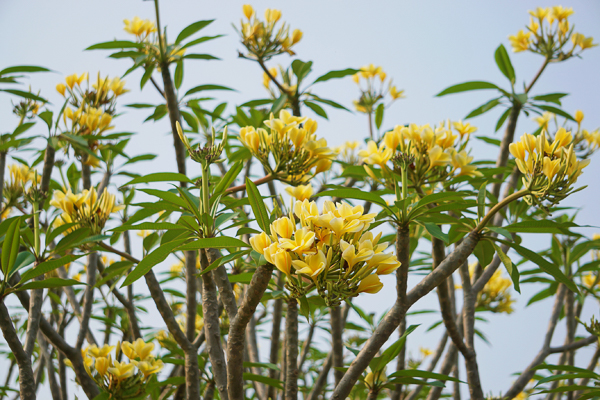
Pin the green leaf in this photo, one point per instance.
(510, 267)
(258, 206)
(257, 103)
(263, 379)
(379, 115)
(23, 68)
(556, 111)
(481, 200)
(541, 226)
(502, 119)
(10, 247)
(467, 86)
(329, 102)
(391, 352)
(147, 74)
(337, 74)
(550, 97)
(46, 116)
(200, 40)
(301, 69)
(316, 108)
(140, 105)
(179, 74)
(24, 127)
(224, 260)
(155, 226)
(279, 103)
(191, 29)
(436, 232)
(219, 242)
(159, 177)
(24, 259)
(48, 283)
(115, 44)
(504, 64)
(26, 95)
(484, 108)
(155, 257)
(200, 57)
(202, 88)
(48, 266)
(352, 193)
(229, 177)
(544, 265)
(415, 373)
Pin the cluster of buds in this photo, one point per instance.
(85, 209)
(22, 180)
(146, 34)
(495, 295)
(332, 251)
(122, 380)
(374, 89)
(27, 108)
(428, 154)
(549, 170)
(209, 154)
(265, 39)
(292, 145)
(547, 38)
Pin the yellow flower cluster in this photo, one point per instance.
(20, 178)
(141, 28)
(435, 153)
(375, 88)
(293, 145)
(549, 169)
(85, 209)
(265, 39)
(300, 192)
(347, 153)
(331, 250)
(545, 37)
(119, 378)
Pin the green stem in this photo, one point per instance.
(499, 206)
(36, 228)
(160, 42)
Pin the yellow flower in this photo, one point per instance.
(352, 258)
(375, 378)
(396, 94)
(102, 364)
(312, 265)
(386, 263)
(438, 157)
(301, 243)
(579, 116)
(589, 280)
(461, 160)
(376, 156)
(138, 349)
(300, 192)
(60, 88)
(272, 16)
(550, 167)
(260, 242)
(118, 86)
(121, 370)
(250, 138)
(371, 284)
(267, 79)
(139, 27)
(284, 227)
(71, 80)
(280, 258)
(520, 41)
(544, 119)
(96, 352)
(425, 351)
(296, 36)
(540, 12)
(149, 367)
(560, 13)
(464, 128)
(248, 11)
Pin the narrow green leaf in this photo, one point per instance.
(10, 247)
(191, 29)
(155, 257)
(481, 200)
(512, 270)
(26, 95)
(263, 379)
(337, 74)
(224, 260)
(23, 68)
(391, 352)
(379, 115)
(415, 373)
(484, 108)
(48, 283)
(316, 108)
(201, 88)
(352, 193)
(115, 44)
(258, 206)
(179, 74)
(48, 266)
(160, 177)
(229, 177)
(155, 226)
(436, 232)
(556, 111)
(279, 104)
(504, 64)
(467, 86)
(200, 57)
(219, 242)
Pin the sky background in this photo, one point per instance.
(424, 46)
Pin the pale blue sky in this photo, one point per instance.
(425, 46)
